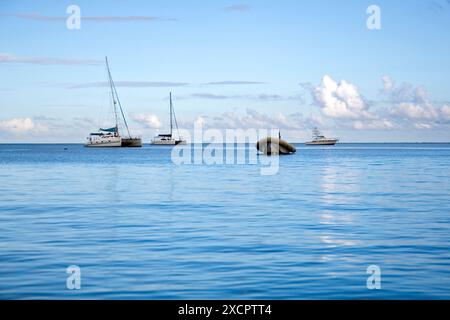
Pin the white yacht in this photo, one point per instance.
(168, 138)
(104, 138)
(318, 139)
(111, 137)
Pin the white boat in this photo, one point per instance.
(111, 137)
(168, 138)
(319, 139)
(104, 139)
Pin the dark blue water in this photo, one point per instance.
(142, 227)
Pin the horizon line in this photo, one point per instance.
(340, 143)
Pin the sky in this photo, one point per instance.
(291, 65)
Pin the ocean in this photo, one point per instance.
(138, 226)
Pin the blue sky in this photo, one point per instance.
(264, 64)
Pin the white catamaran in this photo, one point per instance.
(319, 139)
(111, 137)
(167, 138)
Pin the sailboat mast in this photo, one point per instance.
(116, 96)
(171, 107)
(174, 117)
(112, 95)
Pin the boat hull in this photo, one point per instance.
(321, 143)
(104, 143)
(131, 142)
(168, 142)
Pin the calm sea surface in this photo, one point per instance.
(140, 226)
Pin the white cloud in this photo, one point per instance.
(422, 126)
(416, 111)
(412, 105)
(148, 120)
(17, 125)
(382, 124)
(402, 93)
(252, 119)
(343, 103)
(446, 112)
(200, 121)
(340, 100)
(388, 84)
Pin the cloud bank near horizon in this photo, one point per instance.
(408, 106)
(337, 105)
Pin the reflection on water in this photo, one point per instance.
(337, 242)
(140, 227)
(337, 189)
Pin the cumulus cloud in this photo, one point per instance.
(9, 58)
(342, 103)
(17, 125)
(147, 120)
(416, 111)
(388, 84)
(200, 121)
(412, 105)
(20, 126)
(422, 126)
(446, 112)
(47, 129)
(340, 100)
(407, 106)
(402, 93)
(252, 119)
(381, 124)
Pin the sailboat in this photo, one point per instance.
(111, 137)
(168, 138)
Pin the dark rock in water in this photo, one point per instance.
(273, 146)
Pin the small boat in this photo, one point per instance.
(111, 137)
(168, 138)
(318, 139)
(273, 146)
